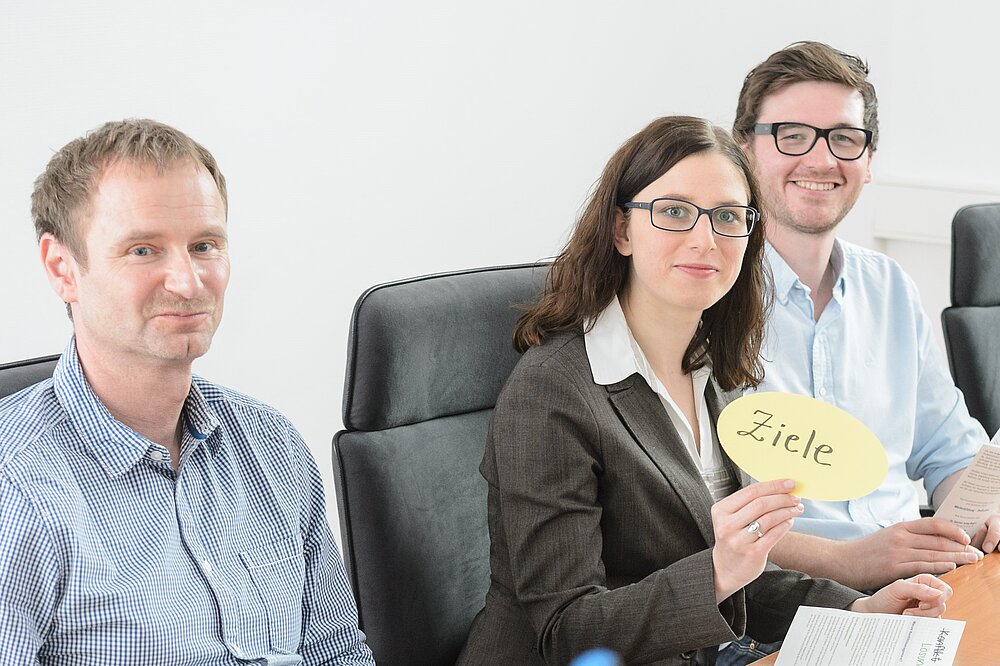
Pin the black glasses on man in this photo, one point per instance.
(845, 143)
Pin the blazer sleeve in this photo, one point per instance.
(544, 461)
(776, 594)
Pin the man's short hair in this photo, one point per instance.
(64, 191)
(803, 61)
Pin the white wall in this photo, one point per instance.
(366, 142)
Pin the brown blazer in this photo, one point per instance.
(600, 528)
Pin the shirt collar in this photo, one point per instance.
(200, 419)
(614, 354)
(609, 346)
(115, 446)
(837, 260)
(785, 279)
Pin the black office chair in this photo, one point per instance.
(427, 358)
(22, 374)
(972, 323)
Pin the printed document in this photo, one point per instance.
(830, 637)
(976, 496)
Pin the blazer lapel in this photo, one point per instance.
(643, 415)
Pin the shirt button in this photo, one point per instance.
(206, 566)
(822, 391)
(156, 455)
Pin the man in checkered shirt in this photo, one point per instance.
(149, 516)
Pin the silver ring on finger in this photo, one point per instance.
(754, 529)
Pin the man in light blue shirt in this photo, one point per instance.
(847, 326)
(149, 516)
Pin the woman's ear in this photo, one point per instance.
(623, 242)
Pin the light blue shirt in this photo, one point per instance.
(872, 353)
(109, 556)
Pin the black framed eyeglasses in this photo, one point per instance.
(845, 143)
(681, 215)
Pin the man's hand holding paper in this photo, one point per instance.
(972, 498)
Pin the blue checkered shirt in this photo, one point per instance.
(109, 556)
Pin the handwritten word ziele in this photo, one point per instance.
(760, 433)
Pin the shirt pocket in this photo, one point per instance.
(277, 572)
(885, 506)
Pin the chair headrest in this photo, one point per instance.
(434, 346)
(975, 256)
(22, 374)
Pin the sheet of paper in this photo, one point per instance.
(976, 496)
(829, 453)
(830, 637)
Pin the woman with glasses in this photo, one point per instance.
(615, 518)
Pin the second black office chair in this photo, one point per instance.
(427, 358)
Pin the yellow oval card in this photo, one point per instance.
(827, 452)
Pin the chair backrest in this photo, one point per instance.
(427, 358)
(972, 323)
(22, 374)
